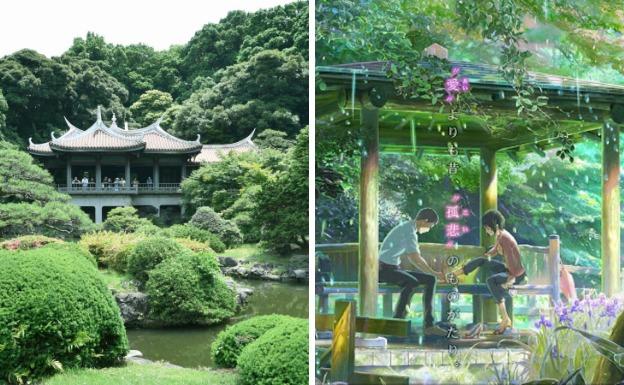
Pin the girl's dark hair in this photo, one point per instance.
(427, 214)
(493, 219)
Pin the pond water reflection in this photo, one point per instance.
(190, 347)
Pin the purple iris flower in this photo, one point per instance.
(564, 317)
(543, 321)
(576, 307)
(455, 71)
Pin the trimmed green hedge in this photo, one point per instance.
(207, 219)
(55, 312)
(26, 242)
(196, 234)
(149, 252)
(279, 356)
(189, 289)
(230, 342)
(111, 249)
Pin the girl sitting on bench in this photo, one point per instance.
(503, 274)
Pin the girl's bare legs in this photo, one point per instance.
(506, 320)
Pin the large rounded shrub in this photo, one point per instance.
(230, 342)
(189, 290)
(125, 219)
(196, 234)
(279, 356)
(149, 252)
(208, 219)
(55, 312)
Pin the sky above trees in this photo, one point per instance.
(50, 27)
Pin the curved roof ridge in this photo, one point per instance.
(162, 131)
(247, 140)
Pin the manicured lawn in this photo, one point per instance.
(254, 253)
(118, 282)
(153, 374)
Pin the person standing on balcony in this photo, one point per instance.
(135, 183)
(122, 182)
(116, 184)
(401, 244)
(149, 183)
(85, 183)
(75, 183)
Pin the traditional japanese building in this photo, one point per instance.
(106, 166)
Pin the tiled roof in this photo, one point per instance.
(213, 152)
(483, 74)
(100, 138)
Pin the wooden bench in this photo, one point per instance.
(541, 264)
(341, 355)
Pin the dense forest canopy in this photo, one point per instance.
(249, 71)
(538, 193)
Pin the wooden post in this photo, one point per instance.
(387, 305)
(127, 172)
(610, 209)
(156, 173)
(369, 216)
(489, 200)
(343, 346)
(98, 173)
(69, 173)
(554, 264)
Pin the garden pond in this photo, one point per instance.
(190, 347)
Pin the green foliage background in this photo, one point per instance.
(538, 193)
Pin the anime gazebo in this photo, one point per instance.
(361, 95)
(125, 167)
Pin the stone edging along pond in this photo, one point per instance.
(134, 305)
(263, 271)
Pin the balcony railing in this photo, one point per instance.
(113, 188)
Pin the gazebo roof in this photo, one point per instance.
(405, 124)
(151, 139)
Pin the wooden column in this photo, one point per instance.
(183, 172)
(369, 215)
(343, 348)
(98, 173)
(489, 200)
(554, 266)
(69, 173)
(156, 175)
(610, 209)
(128, 176)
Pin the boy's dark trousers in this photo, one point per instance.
(408, 280)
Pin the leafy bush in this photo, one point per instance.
(149, 252)
(53, 219)
(196, 234)
(189, 289)
(26, 242)
(56, 313)
(206, 218)
(279, 356)
(111, 249)
(194, 246)
(125, 219)
(230, 342)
